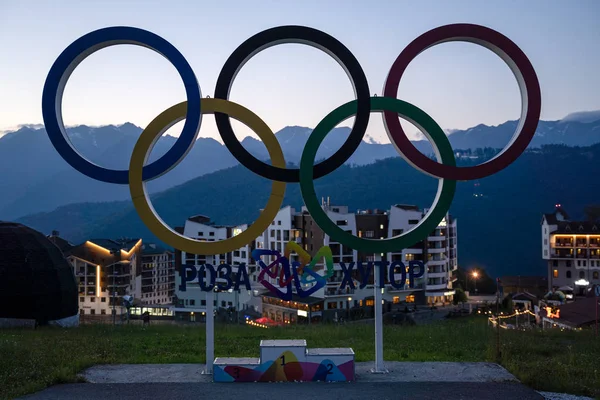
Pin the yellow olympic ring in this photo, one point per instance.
(139, 195)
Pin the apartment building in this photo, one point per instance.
(438, 253)
(572, 251)
(191, 303)
(157, 279)
(105, 271)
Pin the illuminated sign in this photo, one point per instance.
(553, 313)
(302, 313)
(582, 282)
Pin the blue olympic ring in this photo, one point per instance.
(72, 56)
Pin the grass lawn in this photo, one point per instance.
(554, 361)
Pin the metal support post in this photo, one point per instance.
(378, 270)
(210, 332)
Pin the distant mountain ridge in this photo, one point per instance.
(33, 170)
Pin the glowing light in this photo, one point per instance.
(552, 314)
(97, 280)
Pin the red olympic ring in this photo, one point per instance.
(519, 64)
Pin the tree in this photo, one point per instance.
(592, 212)
(507, 303)
(460, 297)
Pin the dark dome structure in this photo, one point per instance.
(36, 281)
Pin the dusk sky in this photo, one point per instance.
(460, 85)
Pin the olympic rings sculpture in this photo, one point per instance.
(192, 110)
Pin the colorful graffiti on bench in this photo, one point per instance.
(287, 368)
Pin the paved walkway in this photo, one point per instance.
(304, 391)
(405, 380)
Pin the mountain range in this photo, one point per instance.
(32, 169)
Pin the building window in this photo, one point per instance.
(278, 222)
(370, 303)
(81, 299)
(545, 241)
(331, 305)
(341, 222)
(93, 312)
(595, 275)
(200, 233)
(103, 299)
(555, 273)
(581, 275)
(413, 221)
(211, 234)
(93, 299)
(192, 302)
(396, 299)
(568, 274)
(410, 298)
(103, 311)
(369, 234)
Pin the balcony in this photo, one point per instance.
(404, 288)
(437, 275)
(440, 286)
(562, 254)
(436, 262)
(583, 254)
(434, 250)
(339, 292)
(436, 238)
(562, 244)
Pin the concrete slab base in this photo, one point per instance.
(398, 372)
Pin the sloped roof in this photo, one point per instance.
(578, 313)
(574, 227)
(153, 248)
(110, 244)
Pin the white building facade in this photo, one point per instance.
(438, 253)
(571, 250)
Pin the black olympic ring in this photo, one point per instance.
(302, 35)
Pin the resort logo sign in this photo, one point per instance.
(302, 274)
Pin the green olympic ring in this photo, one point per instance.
(446, 187)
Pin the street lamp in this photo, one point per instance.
(348, 308)
(475, 275)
